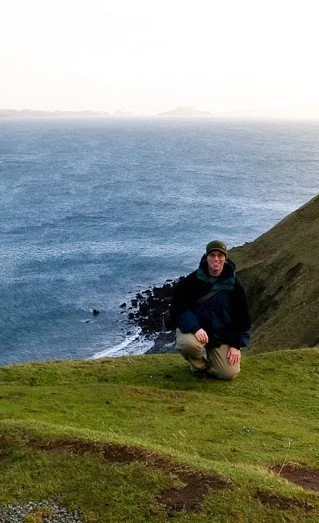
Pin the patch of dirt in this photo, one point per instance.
(304, 477)
(67, 445)
(195, 484)
(191, 495)
(281, 502)
(112, 452)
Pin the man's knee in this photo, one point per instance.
(219, 366)
(188, 344)
(228, 373)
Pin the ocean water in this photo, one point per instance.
(95, 210)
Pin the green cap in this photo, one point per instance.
(216, 245)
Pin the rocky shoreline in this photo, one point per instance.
(147, 310)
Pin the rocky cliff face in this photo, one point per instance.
(280, 272)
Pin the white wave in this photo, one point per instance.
(133, 345)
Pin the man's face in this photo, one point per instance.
(216, 261)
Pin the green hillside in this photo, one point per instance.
(140, 439)
(280, 271)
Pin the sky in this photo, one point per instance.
(149, 56)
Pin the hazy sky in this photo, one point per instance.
(147, 56)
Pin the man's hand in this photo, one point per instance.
(233, 356)
(201, 336)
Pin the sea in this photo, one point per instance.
(96, 210)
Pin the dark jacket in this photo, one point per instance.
(223, 315)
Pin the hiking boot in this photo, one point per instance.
(201, 374)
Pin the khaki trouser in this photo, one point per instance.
(200, 357)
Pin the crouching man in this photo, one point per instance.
(212, 316)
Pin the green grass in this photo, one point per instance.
(238, 429)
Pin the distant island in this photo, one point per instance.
(185, 112)
(295, 113)
(177, 112)
(12, 113)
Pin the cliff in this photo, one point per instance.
(280, 272)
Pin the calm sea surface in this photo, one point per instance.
(95, 210)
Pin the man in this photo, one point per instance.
(212, 316)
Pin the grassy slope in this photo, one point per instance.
(239, 429)
(280, 273)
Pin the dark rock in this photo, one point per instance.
(151, 305)
(144, 309)
(123, 305)
(95, 312)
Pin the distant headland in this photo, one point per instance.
(185, 112)
(11, 113)
(177, 112)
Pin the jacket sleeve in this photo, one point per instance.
(241, 319)
(187, 322)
